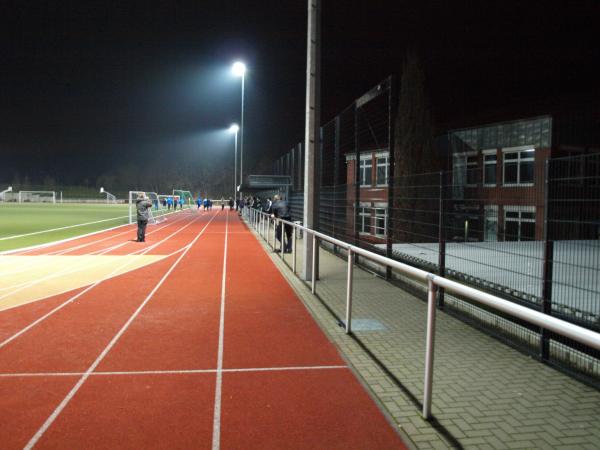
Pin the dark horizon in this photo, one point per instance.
(93, 88)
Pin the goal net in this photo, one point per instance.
(37, 197)
(155, 212)
(188, 199)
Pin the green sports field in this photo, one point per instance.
(24, 225)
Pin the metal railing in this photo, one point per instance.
(263, 223)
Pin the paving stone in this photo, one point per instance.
(479, 383)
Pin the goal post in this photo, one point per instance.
(188, 198)
(110, 198)
(154, 199)
(37, 196)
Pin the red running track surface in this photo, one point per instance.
(162, 357)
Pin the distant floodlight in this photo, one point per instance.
(238, 69)
(102, 190)
(234, 128)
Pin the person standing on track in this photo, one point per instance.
(281, 210)
(142, 206)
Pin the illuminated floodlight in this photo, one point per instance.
(238, 69)
(102, 190)
(234, 128)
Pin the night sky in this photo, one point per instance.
(87, 87)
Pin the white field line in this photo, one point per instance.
(76, 296)
(28, 266)
(216, 438)
(111, 275)
(36, 437)
(16, 236)
(24, 250)
(75, 267)
(170, 372)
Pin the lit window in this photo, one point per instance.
(489, 168)
(383, 163)
(380, 227)
(472, 171)
(519, 223)
(364, 222)
(366, 168)
(518, 167)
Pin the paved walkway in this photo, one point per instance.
(485, 394)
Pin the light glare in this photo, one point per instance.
(239, 69)
(234, 128)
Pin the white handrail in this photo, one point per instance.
(558, 326)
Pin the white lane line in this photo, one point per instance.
(50, 420)
(170, 372)
(16, 236)
(76, 267)
(89, 288)
(28, 265)
(25, 250)
(216, 440)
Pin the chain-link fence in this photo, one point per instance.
(508, 214)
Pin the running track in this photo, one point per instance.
(207, 348)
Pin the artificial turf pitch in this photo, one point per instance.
(48, 222)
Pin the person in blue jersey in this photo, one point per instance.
(199, 202)
(205, 204)
(169, 202)
(181, 202)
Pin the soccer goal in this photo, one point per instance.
(4, 192)
(153, 197)
(188, 198)
(110, 198)
(37, 197)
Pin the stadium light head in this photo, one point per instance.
(9, 189)
(234, 128)
(238, 69)
(102, 190)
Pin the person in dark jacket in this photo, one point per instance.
(281, 210)
(142, 206)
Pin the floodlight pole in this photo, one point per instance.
(242, 135)
(235, 168)
(312, 135)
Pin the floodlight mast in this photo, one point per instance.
(234, 128)
(239, 70)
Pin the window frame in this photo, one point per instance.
(362, 170)
(485, 153)
(386, 165)
(518, 161)
(519, 209)
(375, 227)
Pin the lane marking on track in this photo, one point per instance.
(32, 248)
(216, 440)
(16, 236)
(27, 266)
(89, 288)
(50, 420)
(70, 270)
(171, 372)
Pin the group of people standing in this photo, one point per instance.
(278, 208)
(169, 202)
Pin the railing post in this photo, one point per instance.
(314, 263)
(281, 246)
(349, 293)
(429, 347)
(294, 249)
(274, 234)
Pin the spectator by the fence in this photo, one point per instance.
(142, 206)
(281, 210)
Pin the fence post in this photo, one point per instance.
(442, 242)
(314, 262)
(429, 347)
(294, 250)
(548, 268)
(389, 219)
(281, 246)
(349, 293)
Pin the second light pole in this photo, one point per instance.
(234, 130)
(239, 70)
